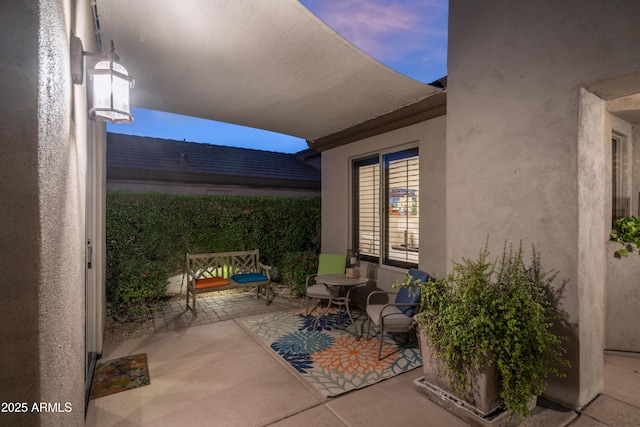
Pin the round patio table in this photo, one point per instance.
(345, 285)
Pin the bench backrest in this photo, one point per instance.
(223, 264)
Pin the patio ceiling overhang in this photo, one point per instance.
(271, 65)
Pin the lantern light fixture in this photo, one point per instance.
(110, 84)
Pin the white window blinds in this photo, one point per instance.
(403, 192)
(621, 202)
(369, 209)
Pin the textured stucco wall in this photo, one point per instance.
(337, 193)
(42, 216)
(61, 174)
(522, 152)
(19, 222)
(204, 189)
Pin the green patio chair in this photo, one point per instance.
(327, 264)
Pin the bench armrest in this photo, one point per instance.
(265, 268)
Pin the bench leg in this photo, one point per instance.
(193, 309)
(193, 299)
(266, 297)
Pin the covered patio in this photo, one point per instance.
(217, 373)
(515, 147)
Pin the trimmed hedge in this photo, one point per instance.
(149, 234)
(295, 267)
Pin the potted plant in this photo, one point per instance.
(627, 232)
(491, 317)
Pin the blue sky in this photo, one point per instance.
(409, 36)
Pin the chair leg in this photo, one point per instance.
(381, 338)
(368, 328)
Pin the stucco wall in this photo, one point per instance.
(19, 222)
(522, 148)
(337, 193)
(204, 189)
(42, 215)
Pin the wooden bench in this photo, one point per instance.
(226, 270)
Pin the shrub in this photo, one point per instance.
(627, 232)
(500, 308)
(149, 235)
(294, 269)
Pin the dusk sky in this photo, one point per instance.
(409, 36)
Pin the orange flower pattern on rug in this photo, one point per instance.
(325, 352)
(355, 357)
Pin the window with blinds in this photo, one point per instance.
(621, 203)
(385, 208)
(402, 189)
(367, 208)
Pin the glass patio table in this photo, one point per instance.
(345, 285)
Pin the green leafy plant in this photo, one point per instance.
(503, 309)
(294, 269)
(627, 232)
(148, 234)
(137, 288)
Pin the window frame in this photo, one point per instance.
(620, 177)
(383, 246)
(355, 202)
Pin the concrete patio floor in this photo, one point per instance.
(213, 373)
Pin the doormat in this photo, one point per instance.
(331, 358)
(118, 375)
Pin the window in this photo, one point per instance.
(385, 213)
(367, 208)
(621, 202)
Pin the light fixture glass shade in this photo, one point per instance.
(111, 86)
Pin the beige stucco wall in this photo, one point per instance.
(337, 193)
(205, 189)
(42, 212)
(525, 148)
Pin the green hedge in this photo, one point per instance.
(295, 267)
(148, 235)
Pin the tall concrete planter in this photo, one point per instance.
(623, 300)
(485, 382)
(482, 407)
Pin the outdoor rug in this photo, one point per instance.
(330, 358)
(119, 375)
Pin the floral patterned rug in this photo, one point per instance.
(331, 358)
(119, 375)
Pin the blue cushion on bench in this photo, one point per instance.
(249, 277)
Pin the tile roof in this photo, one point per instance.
(181, 158)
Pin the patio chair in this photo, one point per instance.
(327, 264)
(396, 316)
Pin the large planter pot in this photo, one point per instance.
(485, 382)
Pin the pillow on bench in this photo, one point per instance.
(249, 277)
(211, 282)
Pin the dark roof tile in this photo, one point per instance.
(167, 155)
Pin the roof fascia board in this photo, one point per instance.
(425, 109)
